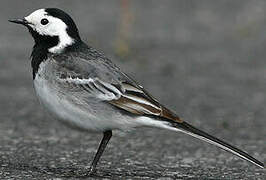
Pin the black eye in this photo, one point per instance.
(44, 21)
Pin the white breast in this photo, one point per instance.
(58, 104)
(69, 108)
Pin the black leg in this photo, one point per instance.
(106, 137)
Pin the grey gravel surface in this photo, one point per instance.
(203, 59)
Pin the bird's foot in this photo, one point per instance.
(91, 171)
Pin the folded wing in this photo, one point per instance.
(127, 96)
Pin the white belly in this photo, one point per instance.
(88, 118)
(71, 108)
(61, 108)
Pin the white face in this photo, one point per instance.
(54, 27)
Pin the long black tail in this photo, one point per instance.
(189, 129)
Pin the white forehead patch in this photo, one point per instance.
(55, 27)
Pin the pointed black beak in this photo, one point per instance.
(19, 21)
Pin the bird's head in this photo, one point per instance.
(52, 28)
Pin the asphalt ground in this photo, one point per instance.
(205, 60)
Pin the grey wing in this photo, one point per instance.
(102, 80)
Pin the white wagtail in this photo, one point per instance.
(83, 88)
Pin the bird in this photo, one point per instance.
(83, 88)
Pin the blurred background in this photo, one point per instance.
(203, 59)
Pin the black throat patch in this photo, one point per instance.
(40, 49)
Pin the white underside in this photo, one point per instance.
(84, 115)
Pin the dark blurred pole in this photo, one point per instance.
(122, 48)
